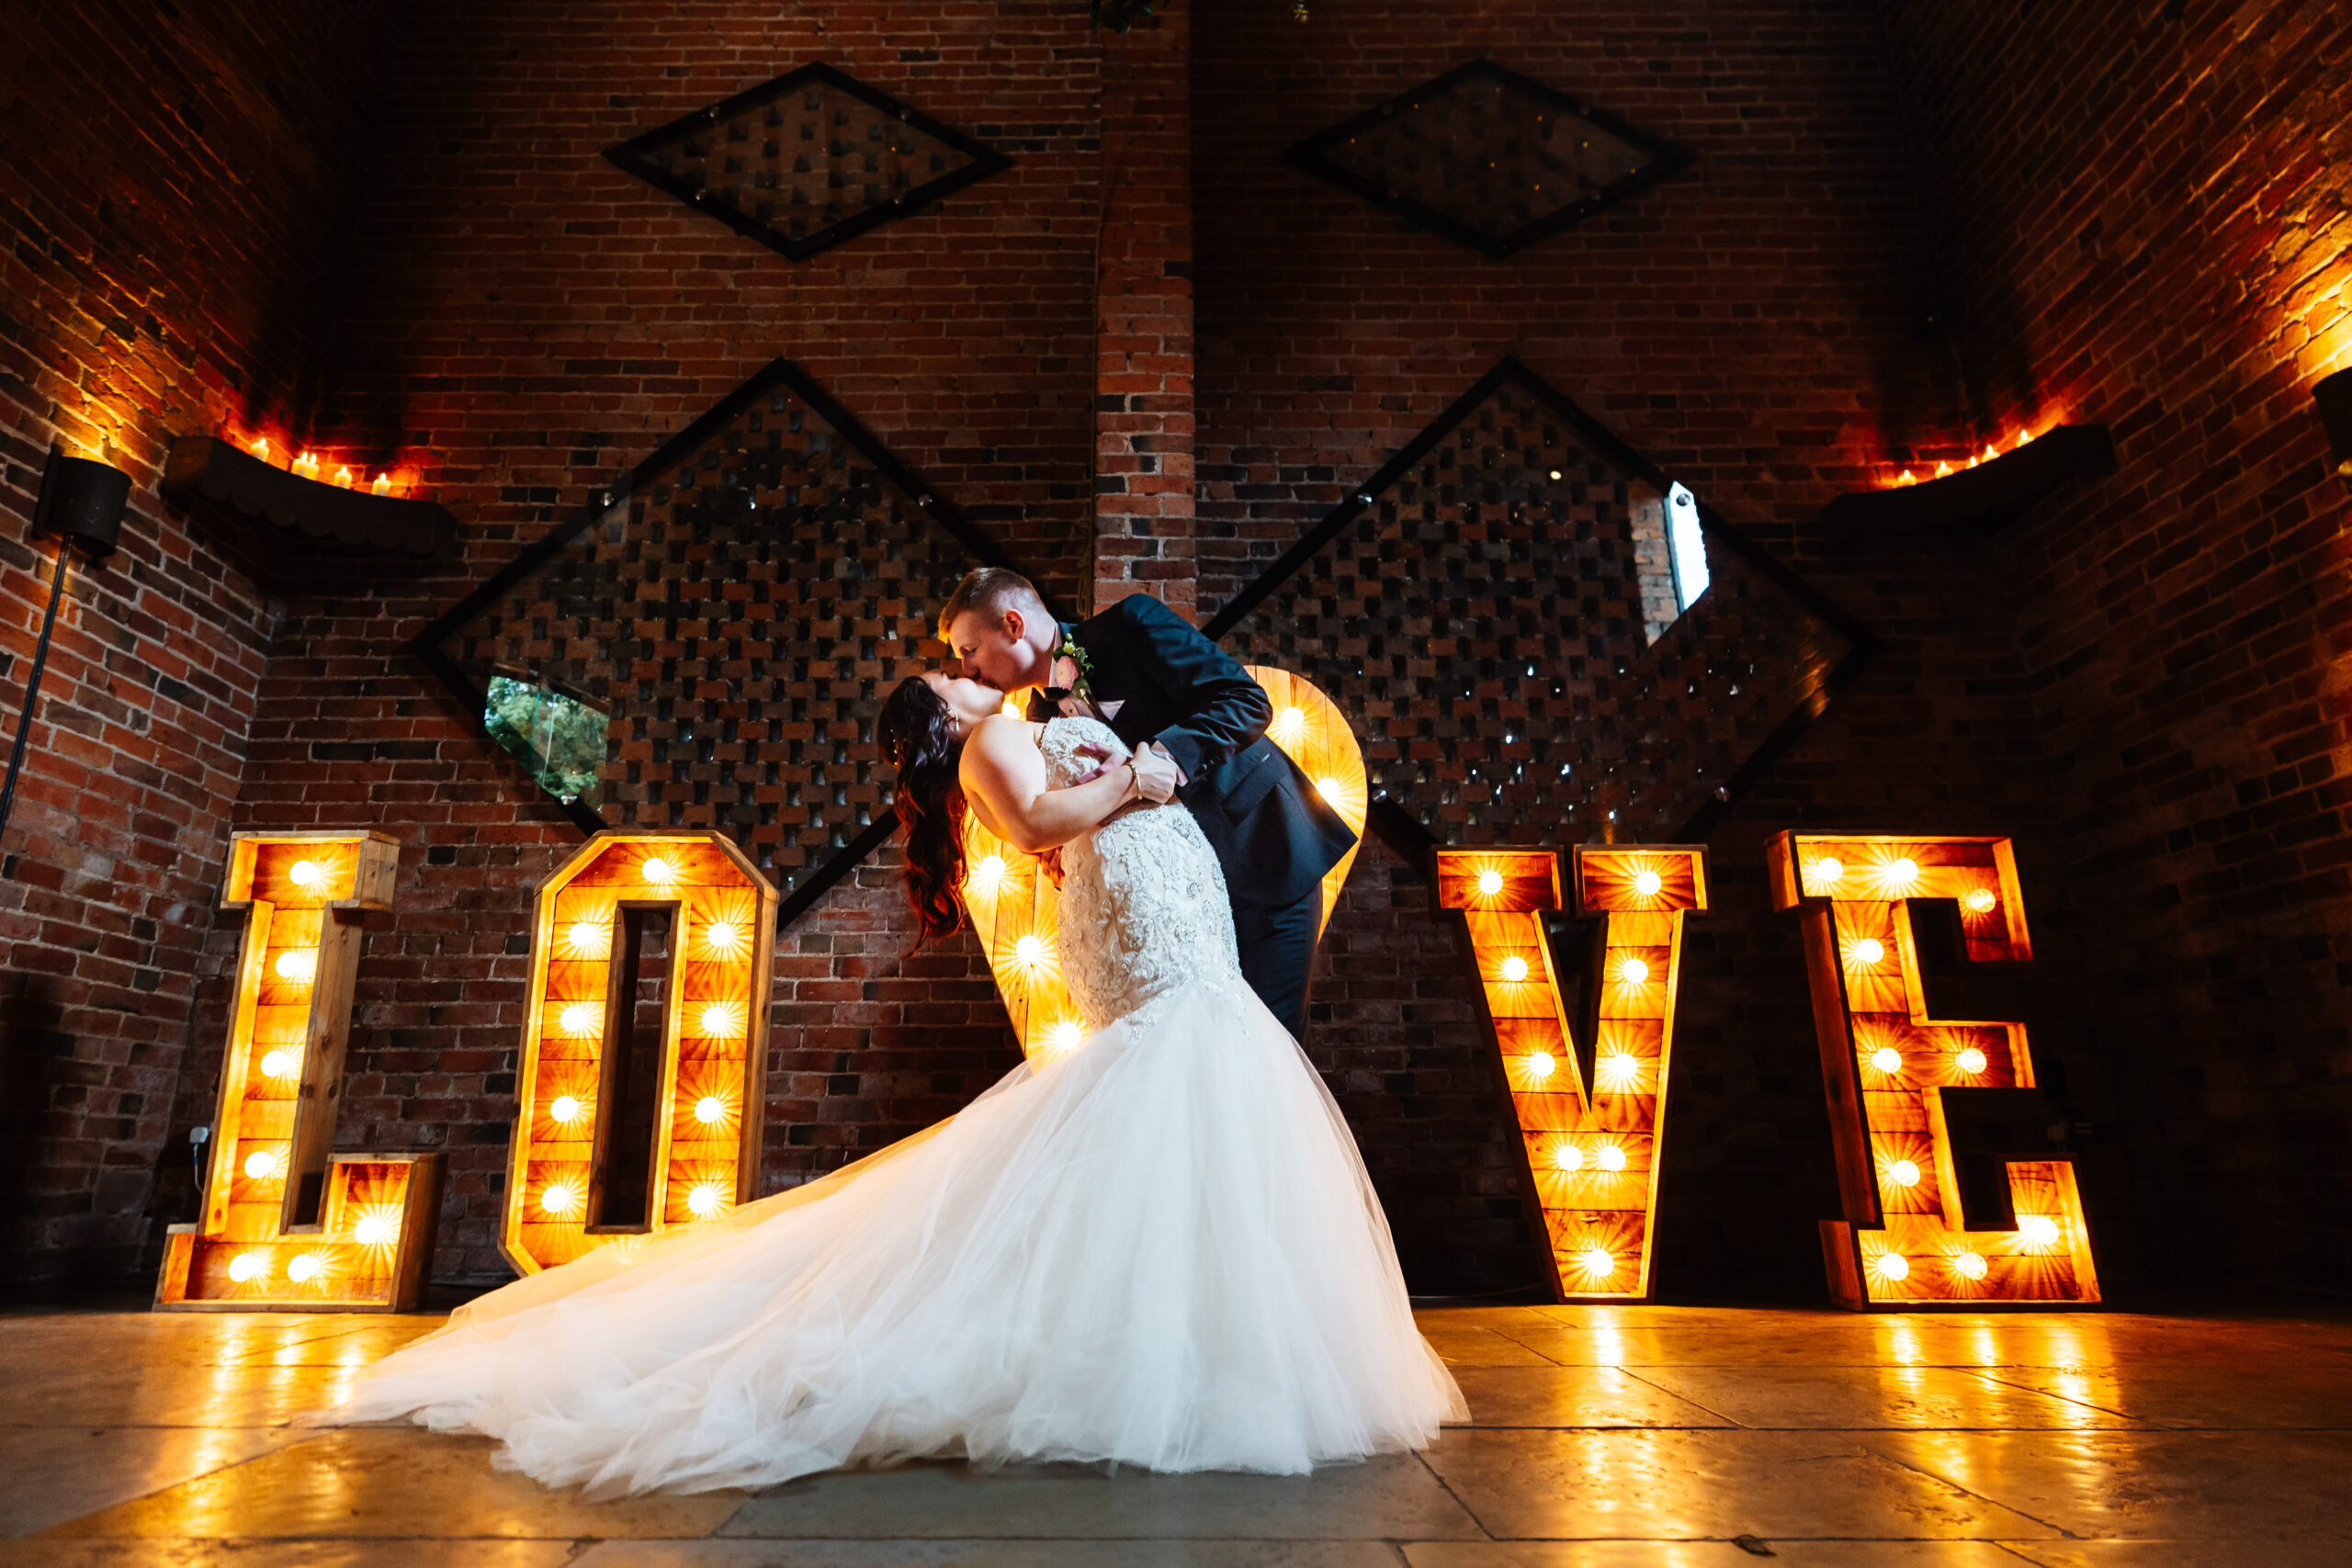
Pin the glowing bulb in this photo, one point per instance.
(1969, 1266)
(710, 1109)
(1491, 882)
(1567, 1156)
(586, 938)
(1903, 1173)
(1826, 870)
(2039, 1230)
(374, 1230)
(298, 964)
(705, 1200)
(1648, 883)
(305, 1269)
(1330, 789)
(1634, 972)
(1613, 1157)
(1969, 1060)
(718, 1021)
(1905, 871)
(1870, 949)
(1011, 709)
(1892, 1266)
(260, 1166)
(308, 875)
(989, 872)
(1540, 1064)
(1887, 1059)
(1619, 1070)
(659, 872)
(1288, 723)
(1597, 1261)
(280, 1064)
(1980, 901)
(565, 1108)
(579, 1018)
(560, 1199)
(1030, 948)
(1514, 969)
(247, 1267)
(1064, 1036)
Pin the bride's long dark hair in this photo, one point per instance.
(918, 734)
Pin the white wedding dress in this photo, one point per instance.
(1158, 1248)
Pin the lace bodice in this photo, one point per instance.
(1143, 903)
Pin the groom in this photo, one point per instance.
(1197, 724)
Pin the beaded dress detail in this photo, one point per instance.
(1159, 1248)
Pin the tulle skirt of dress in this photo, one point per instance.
(1158, 1248)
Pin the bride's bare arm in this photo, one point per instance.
(1003, 775)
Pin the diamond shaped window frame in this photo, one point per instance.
(1665, 159)
(780, 372)
(635, 157)
(1393, 819)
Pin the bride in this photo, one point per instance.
(1160, 1247)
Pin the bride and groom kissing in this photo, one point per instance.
(1158, 1247)
(1191, 729)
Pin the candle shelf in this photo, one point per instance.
(1975, 500)
(204, 468)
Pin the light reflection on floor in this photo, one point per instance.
(1600, 1436)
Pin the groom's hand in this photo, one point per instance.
(1157, 775)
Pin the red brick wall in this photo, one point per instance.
(171, 180)
(2142, 216)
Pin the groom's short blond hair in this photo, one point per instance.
(990, 591)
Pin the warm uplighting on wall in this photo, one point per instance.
(289, 1224)
(1897, 1078)
(1012, 904)
(1591, 1152)
(703, 1155)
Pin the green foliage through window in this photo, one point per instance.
(560, 738)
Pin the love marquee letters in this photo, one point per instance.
(1951, 1165)
(288, 1225)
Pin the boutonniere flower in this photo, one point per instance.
(1084, 685)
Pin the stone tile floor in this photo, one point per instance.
(1610, 1437)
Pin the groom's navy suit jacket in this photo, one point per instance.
(1273, 833)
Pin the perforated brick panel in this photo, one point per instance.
(1489, 157)
(1478, 612)
(807, 161)
(740, 607)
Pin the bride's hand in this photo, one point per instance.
(1050, 862)
(1102, 755)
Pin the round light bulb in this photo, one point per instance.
(1540, 1064)
(1289, 722)
(1870, 949)
(299, 964)
(1969, 1266)
(306, 875)
(990, 871)
(565, 1108)
(247, 1267)
(586, 937)
(305, 1269)
(1892, 1266)
(1903, 870)
(1567, 1156)
(1613, 1157)
(705, 1200)
(1514, 969)
(1030, 948)
(1903, 1173)
(579, 1018)
(1887, 1059)
(718, 1021)
(373, 1230)
(1619, 1069)
(721, 936)
(1330, 789)
(659, 872)
(1635, 972)
(1491, 882)
(2039, 1230)
(1969, 1060)
(1064, 1036)
(1981, 901)
(1597, 1261)
(260, 1166)
(1648, 883)
(1829, 870)
(710, 1109)
(280, 1064)
(559, 1198)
